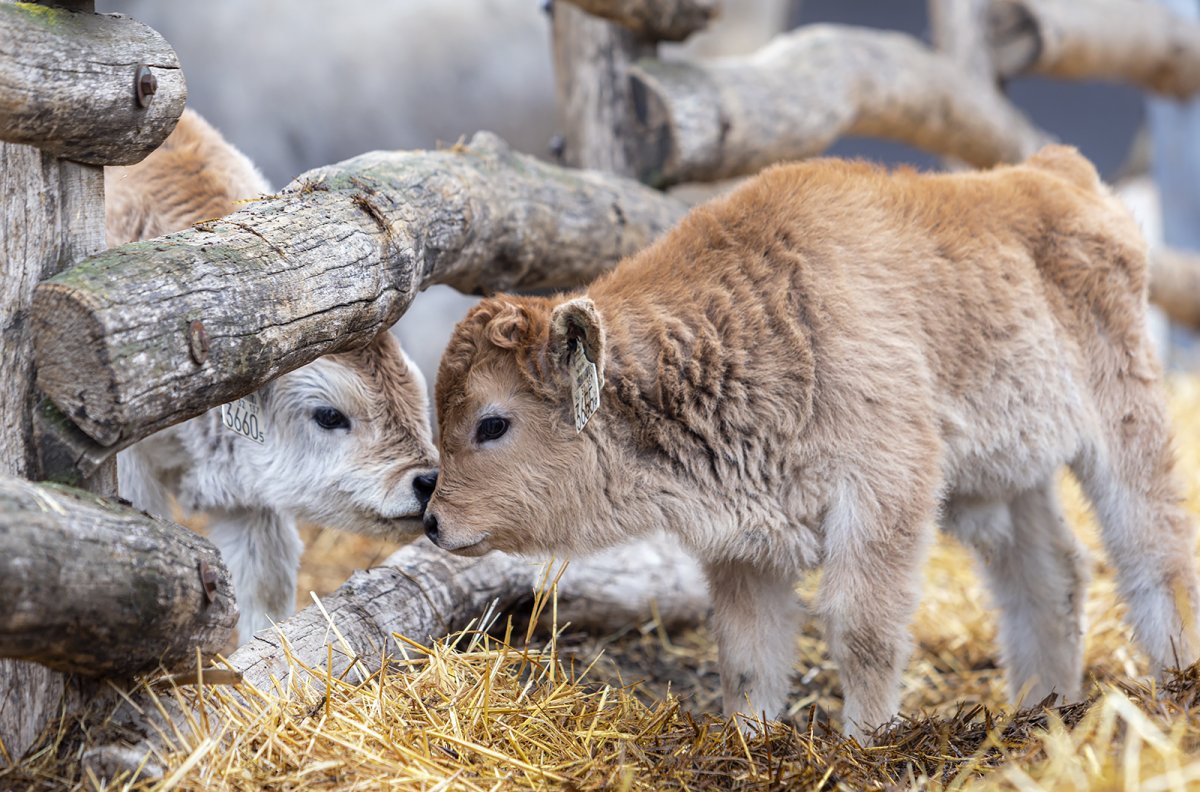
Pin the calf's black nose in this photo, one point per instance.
(423, 486)
(431, 527)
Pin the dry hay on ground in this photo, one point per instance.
(504, 710)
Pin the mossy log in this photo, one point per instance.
(148, 334)
(100, 89)
(91, 587)
(796, 96)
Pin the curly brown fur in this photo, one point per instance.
(813, 369)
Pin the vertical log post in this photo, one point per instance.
(51, 215)
(960, 29)
(592, 57)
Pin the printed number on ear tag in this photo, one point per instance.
(585, 387)
(244, 417)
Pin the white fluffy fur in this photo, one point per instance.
(254, 494)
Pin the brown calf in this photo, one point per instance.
(811, 371)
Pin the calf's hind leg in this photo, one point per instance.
(1037, 573)
(1149, 537)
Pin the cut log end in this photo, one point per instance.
(96, 588)
(69, 342)
(104, 89)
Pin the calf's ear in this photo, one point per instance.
(577, 322)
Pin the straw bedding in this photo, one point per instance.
(519, 703)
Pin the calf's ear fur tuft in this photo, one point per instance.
(509, 327)
(577, 321)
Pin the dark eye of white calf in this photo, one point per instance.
(490, 428)
(330, 418)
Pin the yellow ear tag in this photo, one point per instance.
(585, 387)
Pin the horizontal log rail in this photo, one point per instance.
(1175, 285)
(99, 89)
(1142, 43)
(95, 588)
(654, 20)
(148, 334)
(704, 121)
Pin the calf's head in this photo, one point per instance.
(516, 476)
(346, 437)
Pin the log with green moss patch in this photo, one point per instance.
(321, 268)
(68, 84)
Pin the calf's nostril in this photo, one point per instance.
(431, 527)
(423, 487)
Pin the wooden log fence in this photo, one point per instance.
(804, 90)
(98, 89)
(143, 336)
(1116, 40)
(69, 83)
(95, 588)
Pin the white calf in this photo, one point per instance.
(342, 440)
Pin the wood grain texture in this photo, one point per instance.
(1115, 40)
(797, 95)
(321, 268)
(95, 588)
(51, 215)
(67, 84)
(592, 59)
(654, 20)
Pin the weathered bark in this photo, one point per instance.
(424, 593)
(51, 215)
(1118, 40)
(68, 84)
(654, 20)
(149, 334)
(94, 588)
(1175, 285)
(797, 95)
(592, 59)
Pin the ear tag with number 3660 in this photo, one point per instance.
(244, 416)
(585, 387)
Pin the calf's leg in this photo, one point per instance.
(262, 550)
(1036, 572)
(869, 591)
(1149, 537)
(756, 615)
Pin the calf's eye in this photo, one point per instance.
(329, 418)
(490, 428)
